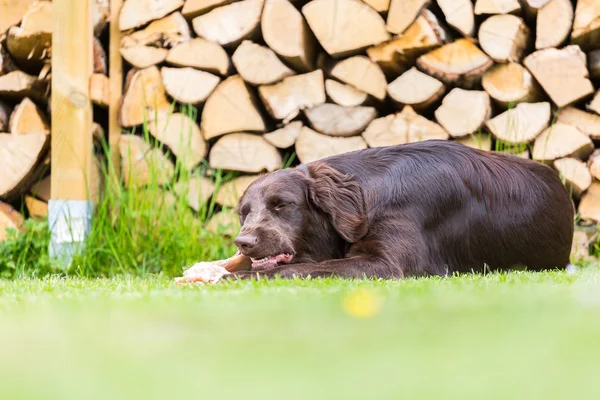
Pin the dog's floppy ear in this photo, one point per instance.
(339, 196)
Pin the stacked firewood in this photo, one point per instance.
(241, 85)
(25, 72)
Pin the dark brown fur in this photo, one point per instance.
(427, 208)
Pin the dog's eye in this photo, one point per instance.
(280, 207)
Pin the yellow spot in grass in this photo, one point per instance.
(361, 303)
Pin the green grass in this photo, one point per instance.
(508, 336)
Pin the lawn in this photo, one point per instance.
(508, 336)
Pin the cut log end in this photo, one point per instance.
(335, 120)
(188, 85)
(362, 74)
(521, 124)
(415, 89)
(312, 146)
(561, 73)
(510, 84)
(553, 25)
(459, 63)
(344, 27)
(9, 219)
(231, 107)
(285, 137)
(230, 192)
(258, 65)
(244, 152)
(463, 112)
(183, 137)
(144, 96)
(286, 99)
(575, 174)
(504, 37)
(26, 118)
(559, 141)
(404, 127)
(143, 165)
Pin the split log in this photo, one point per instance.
(286, 32)
(143, 165)
(401, 128)
(586, 26)
(188, 85)
(593, 164)
(30, 43)
(559, 141)
(363, 74)
(41, 189)
(13, 12)
(586, 122)
(195, 8)
(286, 99)
(5, 112)
(99, 90)
(36, 208)
(459, 63)
(200, 54)
(166, 32)
(230, 192)
(100, 59)
(285, 137)
(28, 118)
(463, 112)
(595, 103)
(244, 152)
(521, 124)
(415, 89)
(231, 107)
(144, 56)
(593, 64)
(312, 146)
(381, 6)
(136, 13)
(589, 206)
(181, 134)
(504, 37)
(334, 120)
(402, 13)
(224, 223)
(6, 62)
(345, 95)
(480, 141)
(494, 7)
(459, 15)
(344, 27)
(243, 22)
(19, 156)
(509, 84)
(149, 46)
(9, 219)
(575, 173)
(553, 24)
(144, 96)
(259, 65)
(397, 55)
(561, 73)
(17, 85)
(197, 190)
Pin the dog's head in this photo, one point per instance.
(296, 215)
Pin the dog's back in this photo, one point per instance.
(472, 207)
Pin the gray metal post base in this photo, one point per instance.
(70, 223)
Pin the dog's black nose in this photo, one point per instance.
(245, 242)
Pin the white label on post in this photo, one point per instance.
(70, 230)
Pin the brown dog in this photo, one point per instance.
(426, 208)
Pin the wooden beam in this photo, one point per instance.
(115, 73)
(70, 208)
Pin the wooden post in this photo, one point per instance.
(70, 208)
(115, 72)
